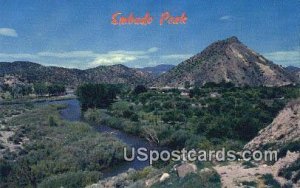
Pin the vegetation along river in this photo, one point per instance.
(73, 113)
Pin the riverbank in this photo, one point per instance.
(38, 99)
(73, 113)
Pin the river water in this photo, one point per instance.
(73, 113)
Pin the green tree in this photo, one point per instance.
(139, 89)
(40, 89)
(96, 95)
(56, 89)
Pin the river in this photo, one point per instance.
(73, 113)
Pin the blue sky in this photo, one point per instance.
(79, 34)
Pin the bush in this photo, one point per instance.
(131, 127)
(248, 164)
(270, 181)
(71, 179)
(5, 169)
(114, 122)
(291, 172)
(290, 146)
(137, 175)
(93, 115)
(52, 121)
(139, 89)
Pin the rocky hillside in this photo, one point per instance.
(33, 72)
(116, 74)
(294, 71)
(283, 131)
(283, 135)
(226, 60)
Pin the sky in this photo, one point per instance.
(79, 34)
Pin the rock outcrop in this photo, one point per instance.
(185, 169)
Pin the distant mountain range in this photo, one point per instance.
(227, 60)
(157, 70)
(295, 71)
(33, 72)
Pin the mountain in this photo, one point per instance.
(157, 70)
(33, 72)
(226, 60)
(294, 71)
(117, 74)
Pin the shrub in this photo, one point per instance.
(291, 172)
(114, 122)
(134, 117)
(5, 169)
(290, 146)
(93, 115)
(248, 164)
(71, 179)
(139, 89)
(137, 175)
(52, 121)
(270, 181)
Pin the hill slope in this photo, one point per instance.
(226, 60)
(33, 72)
(294, 71)
(284, 129)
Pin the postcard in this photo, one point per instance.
(149, 93)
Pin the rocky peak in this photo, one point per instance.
(226, 60)
(232, 39)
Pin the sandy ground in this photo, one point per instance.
(4, 137)
(233, 174)
(4, 140)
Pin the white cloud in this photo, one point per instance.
(179, 57)
(285, 58)
(226, 18)
(152, 50)
(8, 32)
(17, 56)
(83, 59)
(121, 57)
(113, 58)
(71, 54)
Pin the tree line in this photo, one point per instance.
(42, 89)
(39, 89)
